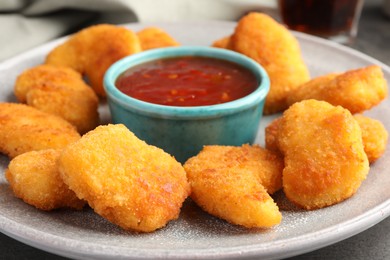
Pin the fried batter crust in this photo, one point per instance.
(24, 128)
(34, 178)
(356, 90)
(269, 43)
(153, 37)
(92, 50)
(60, 91)
(134, 185)
(324, 157)
(232, 183)
(374, 136)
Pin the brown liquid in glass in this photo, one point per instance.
(319, 17)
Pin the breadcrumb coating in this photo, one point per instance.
(324, 156)
(60, 91)
(232, 183)
(34, 178)
(130, 183)
(269, 43)
(92, 50)
(24, 128)
(356, 90)
(153, 37)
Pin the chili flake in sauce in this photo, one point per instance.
(187, 81)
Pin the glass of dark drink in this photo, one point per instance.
(331, 19)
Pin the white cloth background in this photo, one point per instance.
(28, 23)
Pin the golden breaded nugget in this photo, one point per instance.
(60, 91)
(132, 184)
(227, 182)
(271, 135)
(92, 50)
(269, 43)
(324, 157)
(34, 178)
(24, 128)
(356, 90)
(266, 165)
(153, 37)
(224, 43)
(374, 136)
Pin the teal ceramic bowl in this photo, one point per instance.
(183, 131)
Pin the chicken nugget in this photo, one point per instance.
(266, 165)
(34, 178)
(60, 91)
(271, 135)
(269, 43)
(356, 90)
(224, 43)
(24, 128)
(130, 183)
(92, 50)
(153, 37)
(324, 157)
(374, 136)
(232, 183)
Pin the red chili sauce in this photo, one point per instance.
(187, 81)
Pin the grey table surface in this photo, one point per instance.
(374, 243)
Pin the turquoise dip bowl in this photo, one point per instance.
(183, 131)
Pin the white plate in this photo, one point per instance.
(196, 234)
